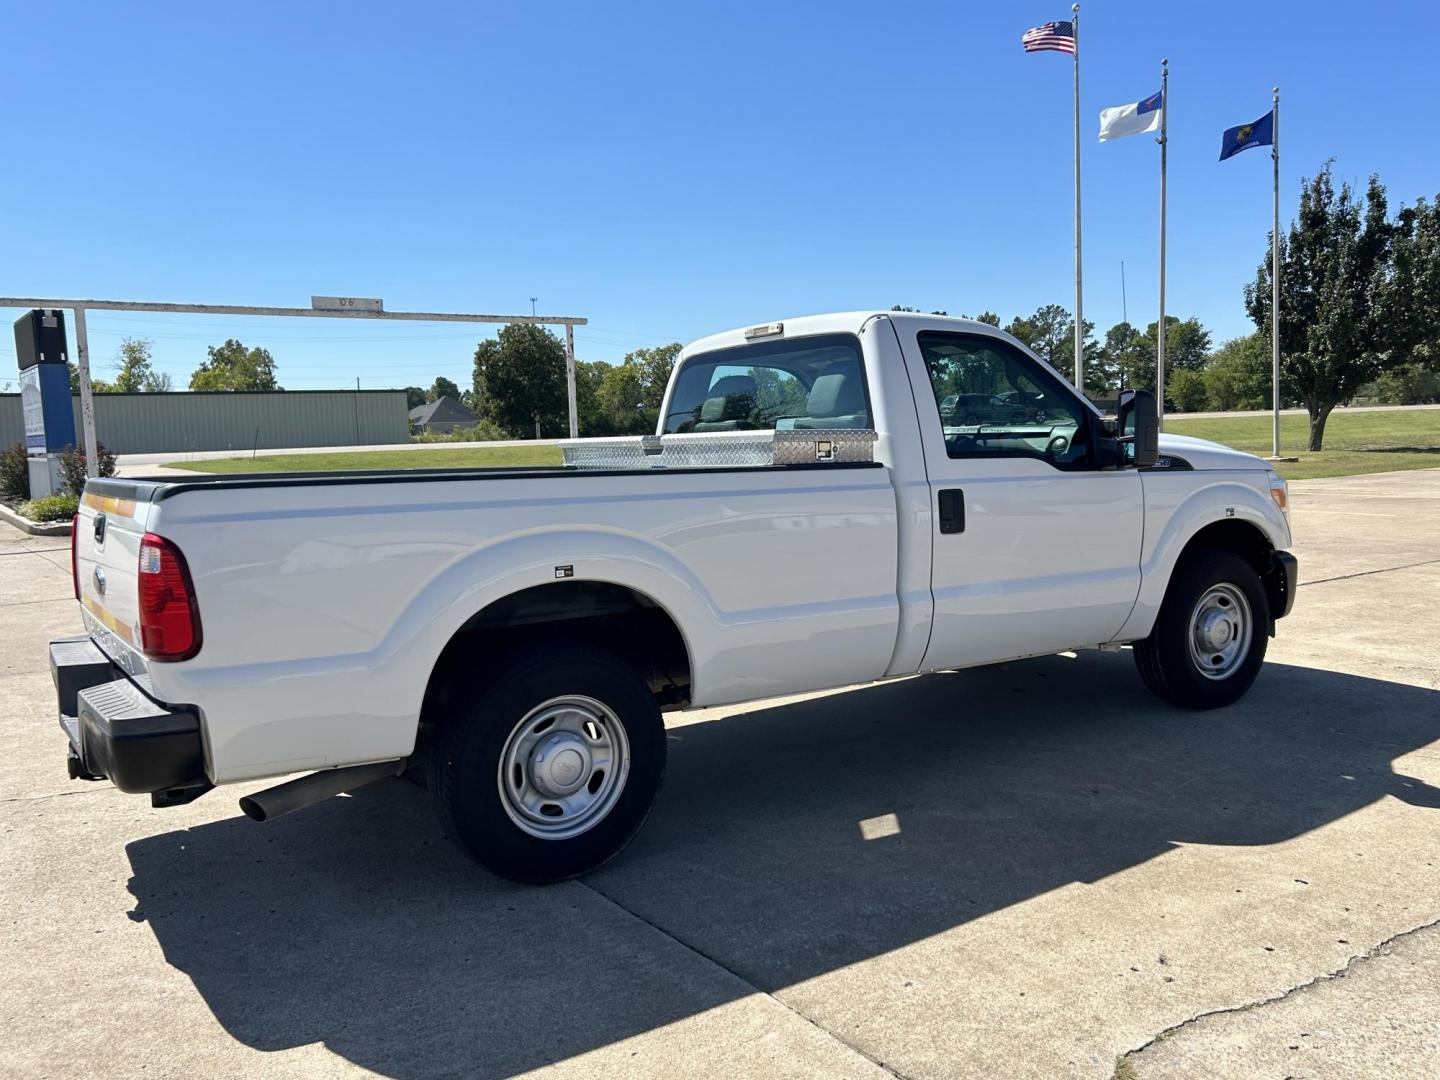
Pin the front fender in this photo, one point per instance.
(1175, 511)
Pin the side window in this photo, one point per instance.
(814, 382)
(994, 401)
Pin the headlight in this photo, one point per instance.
(1280, 492)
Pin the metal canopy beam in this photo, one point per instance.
(87, 408)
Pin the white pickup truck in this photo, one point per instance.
(829, 500)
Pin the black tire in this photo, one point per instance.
(465, 762)
(1164, 659)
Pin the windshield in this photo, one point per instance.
(812, 382)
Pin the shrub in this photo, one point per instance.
(72, 466)
(51, 508)
(14, 472)
(481, 431)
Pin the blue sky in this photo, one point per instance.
(667, 170)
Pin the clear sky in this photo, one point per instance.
(665, 169)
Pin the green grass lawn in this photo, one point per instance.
(1355, 442)
(440, 457)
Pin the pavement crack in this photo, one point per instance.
(43, 798)
(889, 1070)
(1324, 977)
(1367, 573)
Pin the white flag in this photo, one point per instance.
(1132, 119)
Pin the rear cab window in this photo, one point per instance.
(809, 382)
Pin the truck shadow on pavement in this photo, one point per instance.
(355, 925)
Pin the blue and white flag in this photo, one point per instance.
(1133, 119)
(1260, 133)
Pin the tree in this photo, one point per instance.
(1237, 375)
(1185, 390)
(1130, 356)
(631, 392)
(415, 397)
(1050, 332)
(915, 310)
(1187, 344)
(234, 367)
(1410, 300)
(137, 374)
(988, 317)
(520, 380)
(1334, 277)
(442, 387)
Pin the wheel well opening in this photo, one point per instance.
(1254, 547)
(1240, 537)
(612, 617)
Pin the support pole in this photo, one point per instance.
(1079, 306)
(1160, 326)
(570, 380)
(87, 397)
(1275, 278)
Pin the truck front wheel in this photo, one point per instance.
(1209, 640)
(552, 763)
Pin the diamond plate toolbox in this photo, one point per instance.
(724, 449)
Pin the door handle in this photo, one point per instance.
(952, 510)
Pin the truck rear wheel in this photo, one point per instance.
(1209, 640)
(551, 765)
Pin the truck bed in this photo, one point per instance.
(326, 597)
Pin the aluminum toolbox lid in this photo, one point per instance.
(723, 449)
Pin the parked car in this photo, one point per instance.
(511, 636)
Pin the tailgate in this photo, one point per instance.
(107, 553)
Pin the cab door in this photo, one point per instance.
(1036, 548)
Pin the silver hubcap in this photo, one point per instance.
(1220, 631)
(563, 767)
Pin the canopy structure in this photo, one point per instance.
(355, 309)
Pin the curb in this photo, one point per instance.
(34, 528)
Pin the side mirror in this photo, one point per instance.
(1139, 427)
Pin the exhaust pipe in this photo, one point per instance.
(305, 790)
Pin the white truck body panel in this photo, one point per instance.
(325, 603)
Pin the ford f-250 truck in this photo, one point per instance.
(810, 514)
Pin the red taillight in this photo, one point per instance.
(169, 619)
(75, 553)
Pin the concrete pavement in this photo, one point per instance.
(1031, 870)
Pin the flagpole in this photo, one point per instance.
(1275, 277)
(1079, 312)
(1160, 326)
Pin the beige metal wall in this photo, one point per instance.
(158, 423)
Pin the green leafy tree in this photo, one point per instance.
(232, 366)
(1410, 300)
(520, 380)
(442, 387)
(987, 317)
(137, 374)
(1334, 278)
(1185, 391)
(1187, 344)
(631, 391)
(415, 397)
(1237, 375)
(1130, 357)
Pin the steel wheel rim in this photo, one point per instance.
(1221, 628)
(563, 767)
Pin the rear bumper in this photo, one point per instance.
(1280, 580)
(117, 733)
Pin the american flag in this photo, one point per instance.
(1053, 36)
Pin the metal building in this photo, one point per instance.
(234, 420)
